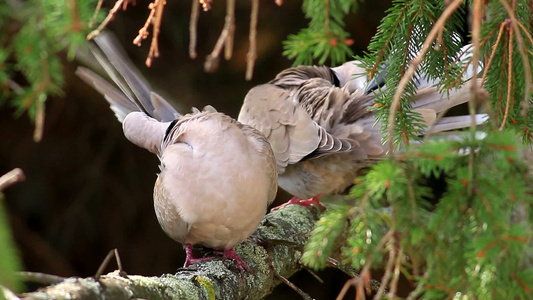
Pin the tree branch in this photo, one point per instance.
(275, 248)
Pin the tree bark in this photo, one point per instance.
(275, 248)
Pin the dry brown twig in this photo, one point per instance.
(396, 274)
(347, 285)
(206, 4)
(38, 97)
(193, 25)
(42, 278)
(98, 7)
(39, 121)
(303, 294)
(388, 272)
(476, 27)
(493, 52)
(525, 61)
(252, 51)
(105, 262)
(225, 39)
(509, 79)
(154, 19)
(212, 60)
(362, 282)
(10, 178)
(108, 18)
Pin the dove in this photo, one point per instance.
(322, 131)
(217, 176)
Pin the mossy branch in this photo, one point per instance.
(274, 249)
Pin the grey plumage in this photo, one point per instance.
(217, 175)
(318, 122)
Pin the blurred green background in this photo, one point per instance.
(89, 190)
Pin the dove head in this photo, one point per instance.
(350, 73)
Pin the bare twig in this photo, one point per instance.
(252, 51)
(346, 269)
(526, 32)
(98, 7)
(474, 87)
(418, 289)
(10, 178)
(228, 46)
(154, 19)
(493, 52)
(154, 47)
(105, 263)
(314, 274)
(37, 97)
(347, 286)
(363, 284)
(509, 79)
(294, 287)
(106, 21)
(206, 4)
(39, 120)
(396, 276)
(525, 60)
(211, 61)
(193, 28)
(412, 68)
(143, 32)
(388, 271)
(40, 277)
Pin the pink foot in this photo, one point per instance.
(307, 203)
(229, 253)
(189, 258)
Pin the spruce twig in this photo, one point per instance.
(439, 25)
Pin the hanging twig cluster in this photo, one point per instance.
(225, 39)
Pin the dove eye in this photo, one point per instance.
(169, 129)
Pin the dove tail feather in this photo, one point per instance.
(429, 97)
(135, 93)
(431, 103)
(119, 103)
(457, 122)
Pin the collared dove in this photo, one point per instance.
(217, 175)
(318, 122)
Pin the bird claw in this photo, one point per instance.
(190, 259)
(305, 202)
(230, 253)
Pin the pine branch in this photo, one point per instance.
(325, 37)
(478, 229)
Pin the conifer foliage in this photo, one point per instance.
(47, 28)
(474, 241)
(325, 38)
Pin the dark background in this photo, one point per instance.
(89, 190)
